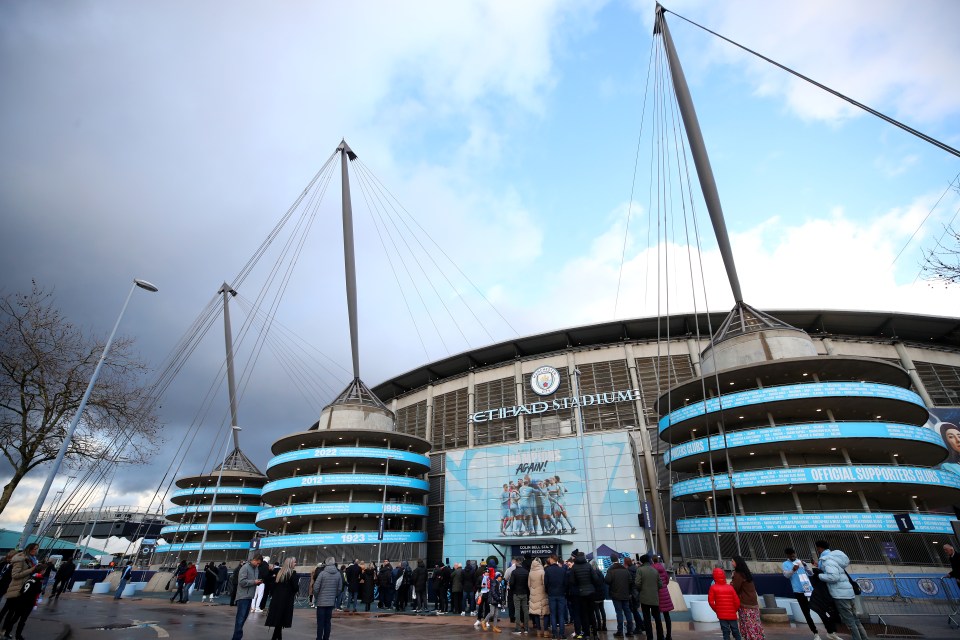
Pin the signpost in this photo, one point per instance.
(904, 522)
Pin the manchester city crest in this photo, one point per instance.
(545, 380)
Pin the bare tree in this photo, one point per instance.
(45, 365)
(942, 263)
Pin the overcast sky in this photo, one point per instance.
(165, 140)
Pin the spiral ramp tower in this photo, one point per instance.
(228, 498)
(783, 446)
(329, 485)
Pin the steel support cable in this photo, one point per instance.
(681, 148)
(292, 248)
(940, 145)
(429, 255)
(393, 269)
(633, 183)
(410, 275)
(442, 252)
(436, 291)
(925, 218)
(297, 248)
(294, 364)
(290, 336)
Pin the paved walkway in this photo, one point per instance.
(153, 616)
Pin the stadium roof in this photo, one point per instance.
(929, 330)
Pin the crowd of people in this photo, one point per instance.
(544, 598)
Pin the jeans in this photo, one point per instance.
(634, 612)
(116, 596)
(324, 617)
(470, 600)
(622, 607)
(849, 617)
(351, 601)
(730, 627)
(243, 611)
(558, 615)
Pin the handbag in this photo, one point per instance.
(853, 583)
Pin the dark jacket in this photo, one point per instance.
(456, 581)
(284, 592)
(648, 585)
(955, 565)
(518, 581)
(352, 576)
(555, 580)
(746, 591)
(583, 576)
(385, 577)
(369, 578)
(328, 585)
(469, 572)
(618, 579)
(420, 577)
(820, 599)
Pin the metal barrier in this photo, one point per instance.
(303, 592)
(918, 596)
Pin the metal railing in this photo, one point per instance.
(912, 596)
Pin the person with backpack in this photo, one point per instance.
(833, 565)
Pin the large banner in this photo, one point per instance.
(521, 492)
(946, 422)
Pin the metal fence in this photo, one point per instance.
(914, 596)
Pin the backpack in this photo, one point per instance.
(495, 594)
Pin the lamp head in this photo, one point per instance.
(143, 284)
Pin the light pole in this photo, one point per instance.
(586, 465)
(28, 527)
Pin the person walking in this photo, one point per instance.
(210, 581)
(833, 565)
(496, 592)
(285, 589)
(223, 579)
(555, 587)
(751, 628)
(723, 599)
(23, 565)
(519, 588)
(178, 577)
(189, 577)
(822, 603)
(326, 588)
(799, 575)
(248, 579)
(648, 586)
(954, 559)
(62, 581)
(618, 580)
(124, 577)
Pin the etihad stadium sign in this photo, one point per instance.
(534, 408)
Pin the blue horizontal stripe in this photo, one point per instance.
(219, 508)
(209, 546)
(226, 491)
(345, 479)
(801, 432)
(839, 521)
(341, 508)
(214, 526)
(375, 453)
(357, 537)
(818, 475)
(790, 392)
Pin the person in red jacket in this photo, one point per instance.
(189, 577)
(725, 601)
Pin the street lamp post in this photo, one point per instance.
(29, 526)
(383, 511)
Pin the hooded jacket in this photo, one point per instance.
(583, 576)
(722, 598)
(833, 564)
(539, 605)
(328, 585)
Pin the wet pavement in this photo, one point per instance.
(151, 616)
